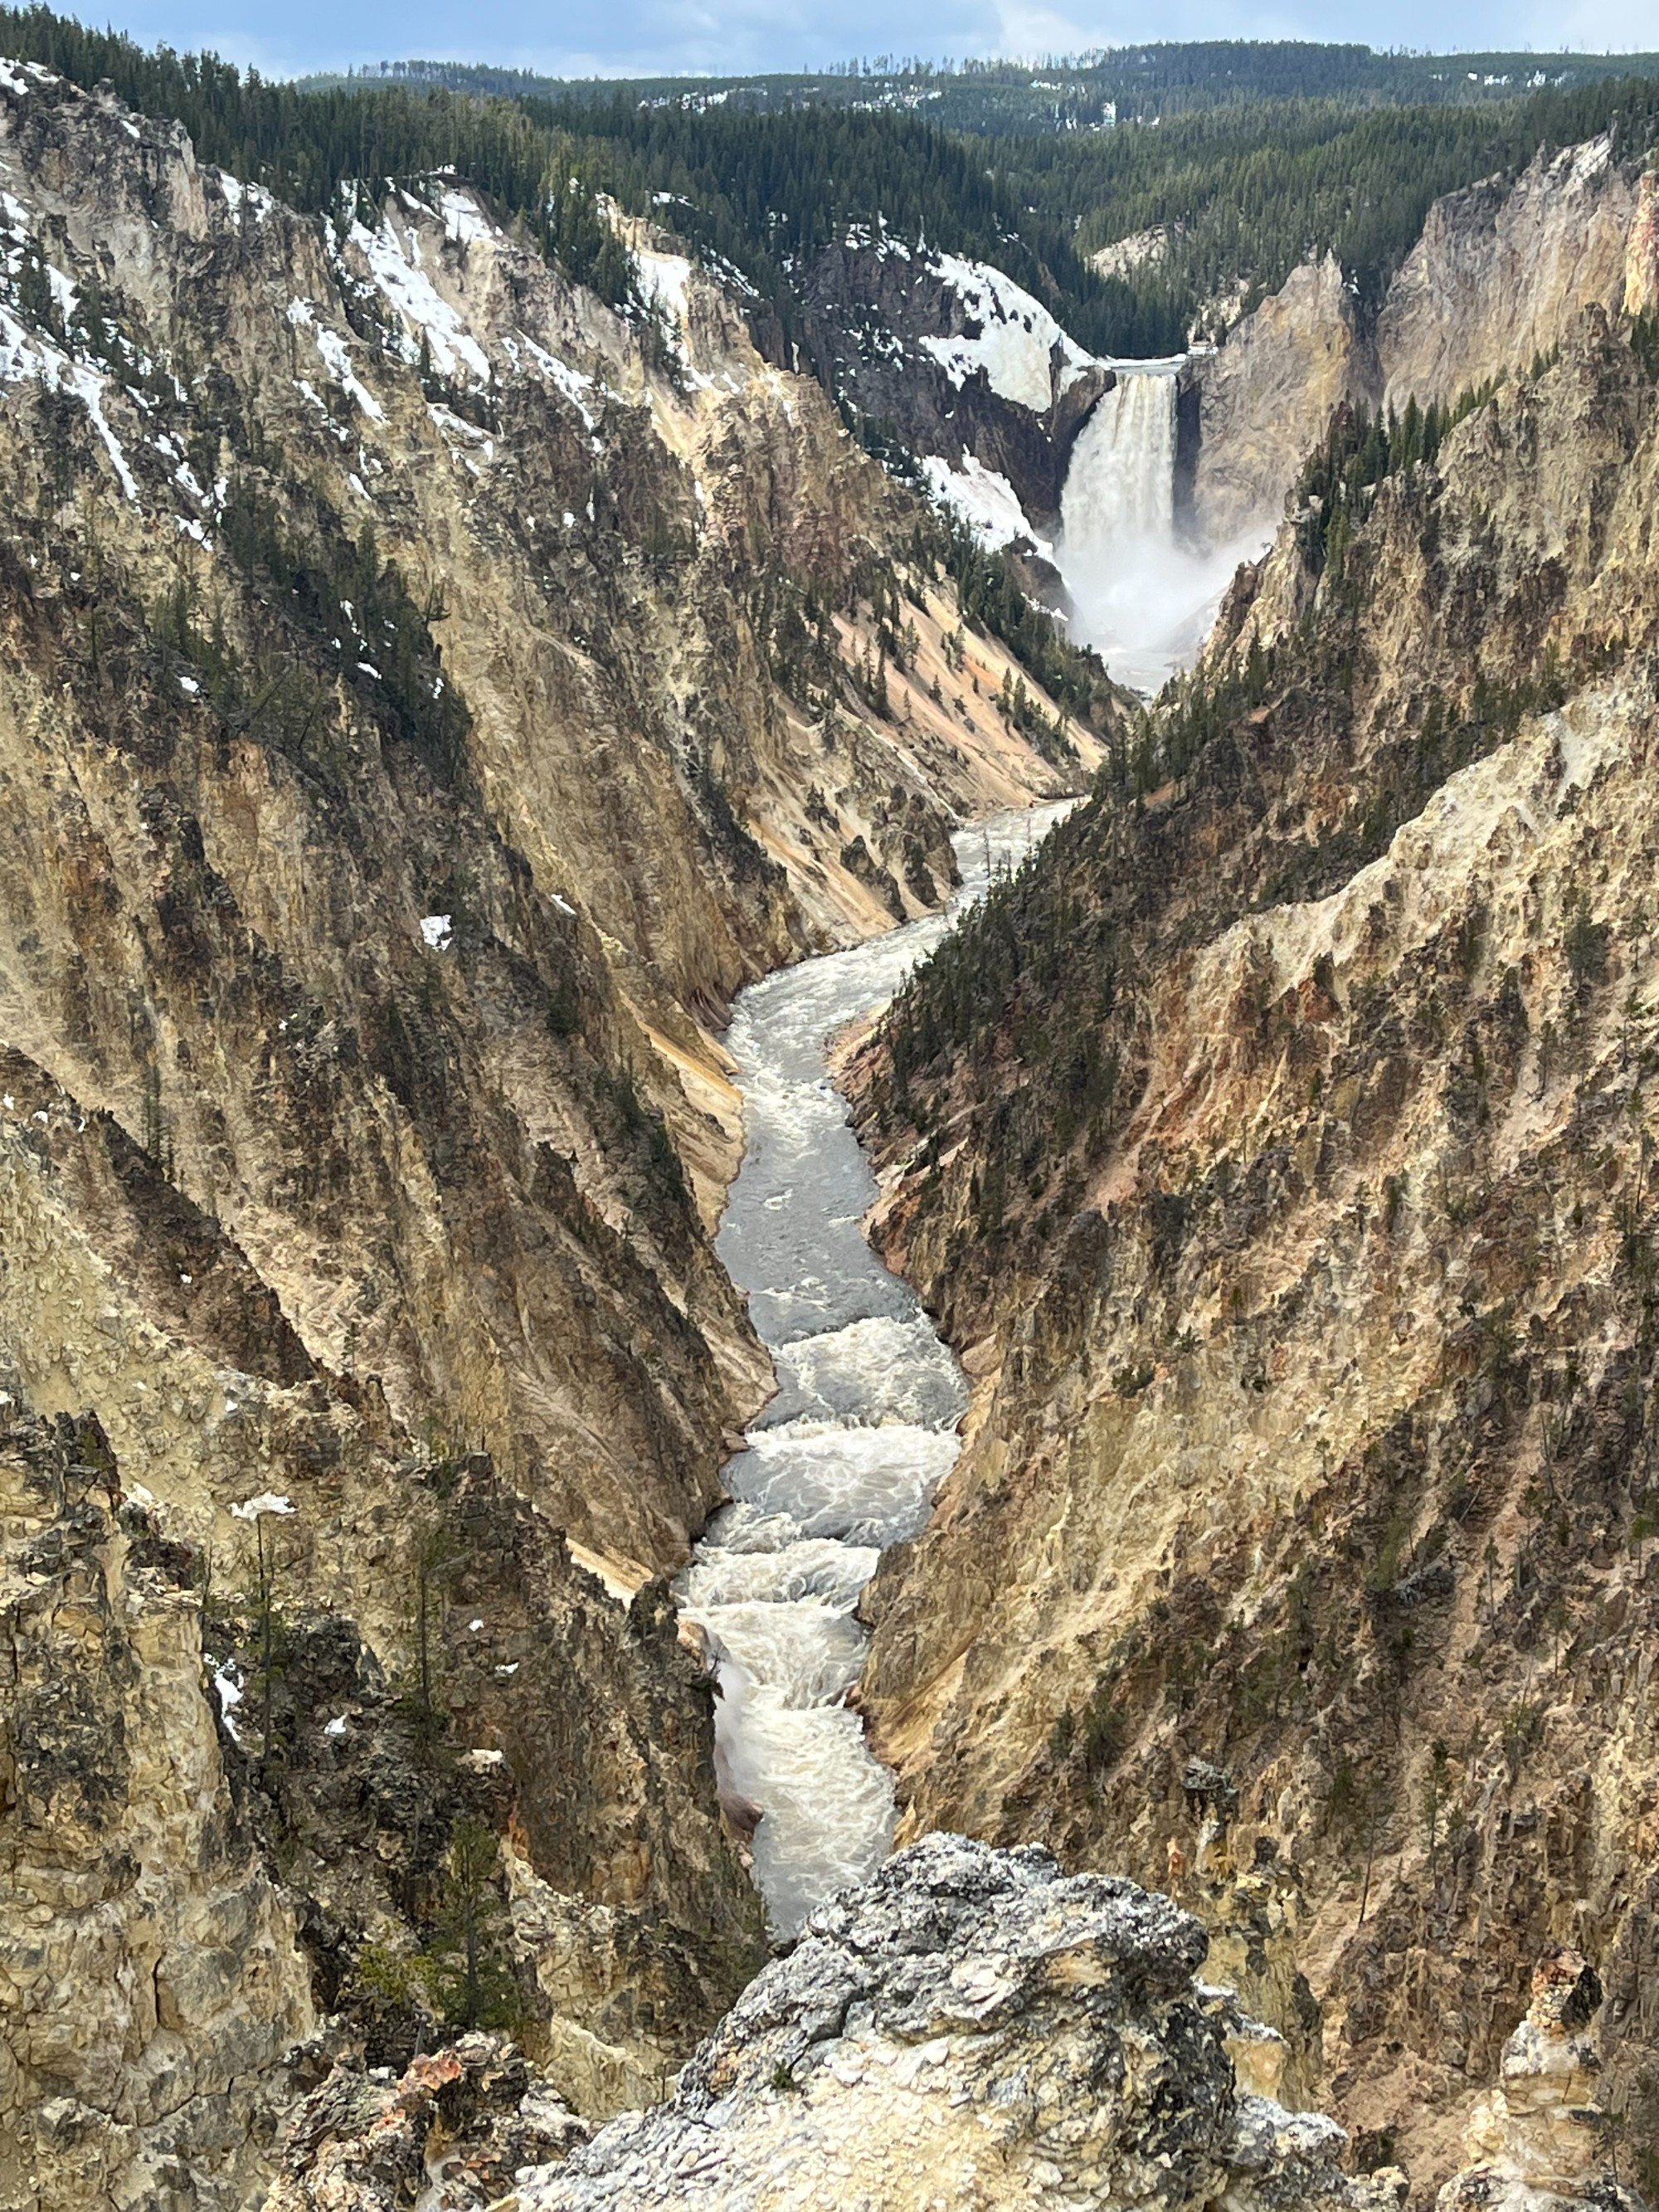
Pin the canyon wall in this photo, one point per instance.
(1500, 274)
(958, 366)
(427, 695)
(1277, 1153)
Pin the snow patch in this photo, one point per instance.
(463, 219)
(986, 501)
(228, 1684)
(267, 1501)
(1016, 342)
(25, 356)
(393, 263)
(336, 359)
(666, 279)
(456, 426)
(437, 929)
(570, 381)
(12, 74)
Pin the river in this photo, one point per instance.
(845, 1458)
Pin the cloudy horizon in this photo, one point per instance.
(641, 38)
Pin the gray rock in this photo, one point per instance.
(973, 2029)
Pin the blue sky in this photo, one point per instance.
(617, 37)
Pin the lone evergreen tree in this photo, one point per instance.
(471, 1973)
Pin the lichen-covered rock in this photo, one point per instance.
(973, 2029)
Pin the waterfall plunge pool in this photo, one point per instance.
(846, 1457)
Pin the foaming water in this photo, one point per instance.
(846, 1458)
(1143, 600)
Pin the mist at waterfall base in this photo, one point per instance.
(1140, 598)
(846, 1456)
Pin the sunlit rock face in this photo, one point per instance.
(1282, 1212)
(1500, 275)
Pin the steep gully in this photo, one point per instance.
(846, 1456)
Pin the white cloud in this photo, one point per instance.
(1594, 25)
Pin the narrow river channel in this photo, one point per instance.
(845, 1458)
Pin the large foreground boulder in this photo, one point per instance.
(973, 2029)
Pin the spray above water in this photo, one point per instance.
(1141, 599)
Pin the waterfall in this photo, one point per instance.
(1119, 486)
(1141, 599)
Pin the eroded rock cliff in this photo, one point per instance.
(1277, 1151)
(1500, 275)
(427, 695)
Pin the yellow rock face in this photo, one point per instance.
(1310, 1433)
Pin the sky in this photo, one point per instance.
(609, 38)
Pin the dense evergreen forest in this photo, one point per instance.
(1088, 93)
(1285, 151)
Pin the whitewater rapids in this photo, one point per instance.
(847, 1455)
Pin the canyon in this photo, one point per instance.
(494, 1562)
(1274, 1153)
(403, 775)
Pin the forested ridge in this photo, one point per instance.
(1141, 83)
(1283, 152)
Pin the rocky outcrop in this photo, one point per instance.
(1500, 275)
(1642, 249)
(1540, 2136)
(1504, 271)
(971, 2029)
(449, 2134)
(951, 360)
(1266, 396)
(974, 2029)
(1279, 1162)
